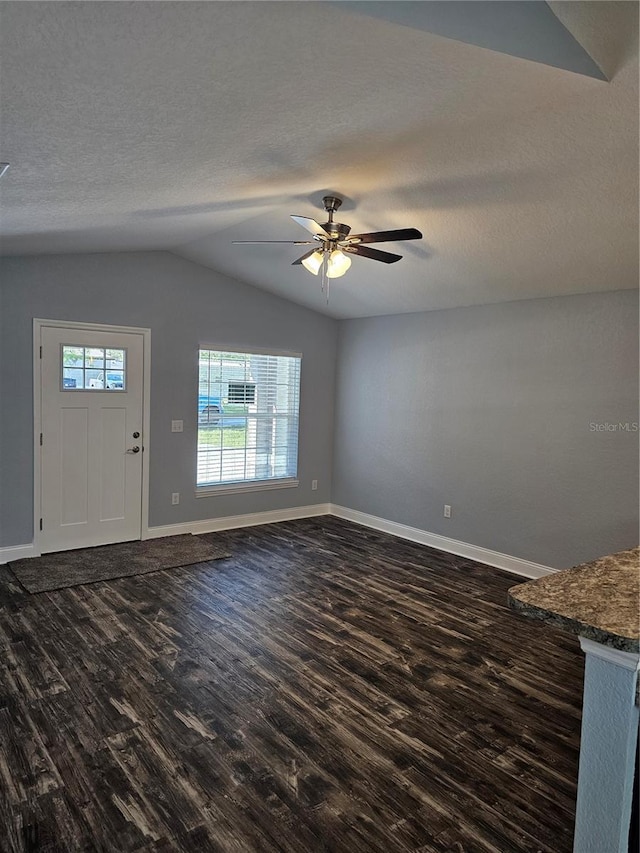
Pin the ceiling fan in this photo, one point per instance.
(333, 242)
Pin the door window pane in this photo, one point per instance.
(94, 357)
(72, 378)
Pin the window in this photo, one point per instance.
(93, 368)
(248, 413)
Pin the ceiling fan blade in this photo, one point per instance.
(304, 257)
(386, 236)
(310, 224)
(289, 242)
(374, 254)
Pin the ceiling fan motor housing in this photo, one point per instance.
(337, 230)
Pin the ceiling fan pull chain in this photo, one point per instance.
(323, 281)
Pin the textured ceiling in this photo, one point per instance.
(186, 125)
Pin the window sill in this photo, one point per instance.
(251, 486)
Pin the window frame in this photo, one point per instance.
(104, 369)
(240, 486)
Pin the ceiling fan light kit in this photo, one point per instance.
(336, 243)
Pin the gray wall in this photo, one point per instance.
(489, 409)
(486, 408)
(184, 305)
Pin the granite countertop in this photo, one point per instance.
(598, 600)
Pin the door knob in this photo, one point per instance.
(134, 449)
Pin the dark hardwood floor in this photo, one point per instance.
(328, 688)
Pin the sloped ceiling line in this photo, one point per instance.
(528, 29)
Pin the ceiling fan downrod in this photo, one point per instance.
(331, 203)
(336, 230)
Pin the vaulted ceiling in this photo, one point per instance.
(508, 136)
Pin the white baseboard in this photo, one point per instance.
(442, 543)
(229, 522)
(17, 552)
(452, 546)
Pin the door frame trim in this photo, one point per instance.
(38, 324)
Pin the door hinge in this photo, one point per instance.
(40, 439)
(40, 524)
(40, 352)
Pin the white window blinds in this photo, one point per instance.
(248, 413)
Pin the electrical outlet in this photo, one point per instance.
(447, 511)
(177, 426)
(314, 485)
(175, 498)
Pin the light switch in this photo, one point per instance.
(176, 426)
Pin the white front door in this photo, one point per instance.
(91, 385)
